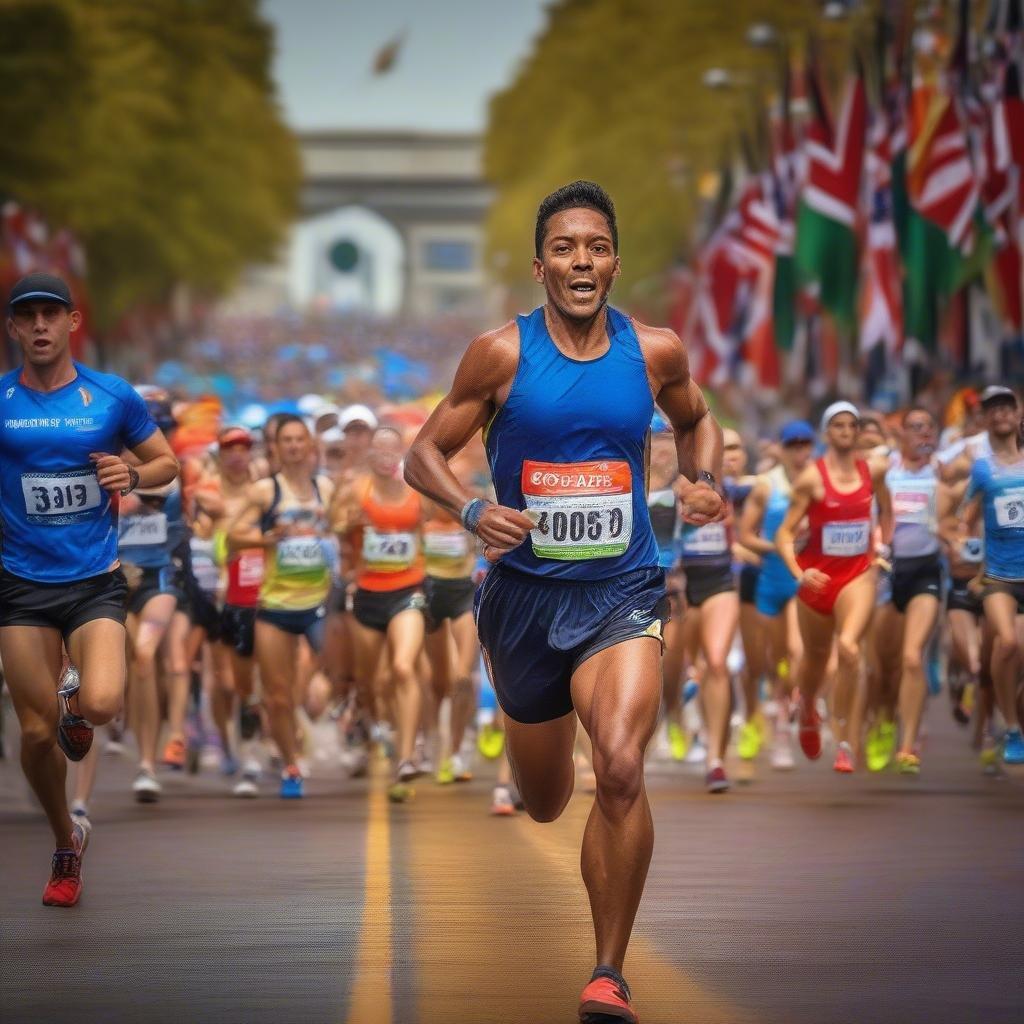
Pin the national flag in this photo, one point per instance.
(826, 242)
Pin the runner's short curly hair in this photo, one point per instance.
(576, 194)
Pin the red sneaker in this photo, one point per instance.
(810, 731)
(607, 997)
(174, 753)
(65, 885)
(843, 762)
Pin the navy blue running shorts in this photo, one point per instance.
(535, 632)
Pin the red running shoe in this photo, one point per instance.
(607, 998)
(716, 781)
(810, 731)
(65, 885)
(843, 762)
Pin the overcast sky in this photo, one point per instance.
(455, 54)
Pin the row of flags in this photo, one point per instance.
(862, 230)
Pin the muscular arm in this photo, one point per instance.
(886, 520)
(749, 532)
(481, 384)
(803, 493)
(244, 530)
(698, 435)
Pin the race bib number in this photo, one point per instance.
(1009, 510)
(582, 510)
(446, 546)
(299, 554)
(250, 569)
(54, 499)
(912, 507)
(388, 552)
(143, 531)
(204, 568)
(844, 540)
(710, 539)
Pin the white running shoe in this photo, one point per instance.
(460, 769)
(246, 787)
(697, 754)
(782, 755)
(146, 788)
(355, 761)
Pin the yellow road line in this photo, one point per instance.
(370, 1002)
(663, 991)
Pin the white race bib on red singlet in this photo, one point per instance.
(847, 539)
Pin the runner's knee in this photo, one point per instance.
(848, 651)
(620, 775)
(98, 708)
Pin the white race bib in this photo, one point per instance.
(250, 569)
(388, 552)
(912, 507)
(300, 553)
(143, 531)
(710, 539)
(53, 499)
(1009, 509)
(582, 510)
(204, 568)
(845, 540)
(448, 546)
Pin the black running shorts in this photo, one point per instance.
(914, 576)
(375, 609)
(447, 599)
(62, 606)
(238, 629)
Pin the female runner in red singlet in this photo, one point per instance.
(836, 572)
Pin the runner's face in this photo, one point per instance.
(1002, 418)
(919, 435)
(796, 455)
(235, 459)
(357, 439)
(43, 330)
(842, 432)
(869, 435)
(292, 444)
(577, 265)
(385, 455)
(734, 458)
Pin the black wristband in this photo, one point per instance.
(708, 478)
(133, 477)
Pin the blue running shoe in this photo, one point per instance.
(690, 690)
(1013, 747)
(291, 784)
(229, 764)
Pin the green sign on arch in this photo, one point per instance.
(344, 256)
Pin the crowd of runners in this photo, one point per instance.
(294, 607)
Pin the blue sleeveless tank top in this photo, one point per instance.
(568, 446)
(775, 510)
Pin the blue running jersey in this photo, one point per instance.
(58, 523)
(1002, 500)
(569, 446)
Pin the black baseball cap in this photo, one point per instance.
(997, 393)
(40, 288)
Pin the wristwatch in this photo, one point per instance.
(133, 481)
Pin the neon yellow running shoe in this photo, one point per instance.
(445, 774)
(399, 793)
(887, 741)
(490, 742)
(677, 744)
(750, 740)
(874, 749)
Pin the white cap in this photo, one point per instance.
(309, 404)
(332, 435)
(835, 409)
(357, 413)
(325, 410)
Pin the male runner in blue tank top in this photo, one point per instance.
(570, 618)
(62, 430)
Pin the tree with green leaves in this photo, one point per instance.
(152, 130)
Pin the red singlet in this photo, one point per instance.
(840, 541)
(245, 577)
